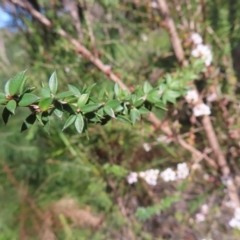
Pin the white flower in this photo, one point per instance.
(212, 97)
(226, 180)
(132, 177)
(168, 175)
(192, 96)
(234, 223)
(150, 176)
(182, 171)
(201, 109)
(147, 147)
(144, 37)
(231, 204)
(205, 209)
(163, 138)
(200, 217)
(201, 50)
(237, 213)
(204, 52)
(153, 4)
(196, 38)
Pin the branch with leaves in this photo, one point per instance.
(80, 104)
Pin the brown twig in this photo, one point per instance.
(176, 42)
(164, 126)
(206, 121)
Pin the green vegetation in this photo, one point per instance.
(131, 133)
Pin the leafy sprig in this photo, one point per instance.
(81, 106)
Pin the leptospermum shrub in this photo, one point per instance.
(81, 107)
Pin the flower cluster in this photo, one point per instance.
(168, 175)
(182, 171)
(151, 175)
(200, 217)
(235, 221)
(200, 50)
(192, 96)
(132, 177)
(199, 109)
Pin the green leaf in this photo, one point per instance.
(28, 90)
(123, 119)
(135, 115)
(11, 106)
(3, 98)
(79, 123)
(153, 96)
(91, 107)
(70, 99)
(89, 88)
(45, 103)
(29, 121)
(94, 100)
(160, 105)
(45, 92)
(143, 110)
(6, 88)
(172, 94)
(28, 99)
(45, 118)
(147, 87)
(21, 89)
(114, 104)
(58, 111)
(109, 111)
(13, 85)
(82, 100)
(69, 121)
(74, 90)
(6, 114)
(63, 95)
(139, 102)
(53, 83)
(117, 90)
(69, 108)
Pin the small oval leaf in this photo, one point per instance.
(6, 114)
(11, 106)
(90, 107)
(53, 83)
(29, 121)
(69, 121)
(79, 123)
(109, 111)
(74, 90)
(14, 84)
(82, 100)
(45, 103)
(28, 99)
(45, 92)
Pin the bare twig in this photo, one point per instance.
(164, 126)
(197, 153)
(71, 6)
(176, 42)
(206, 121)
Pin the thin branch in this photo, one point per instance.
(176, 42)
(164, 126)
(206, 121)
